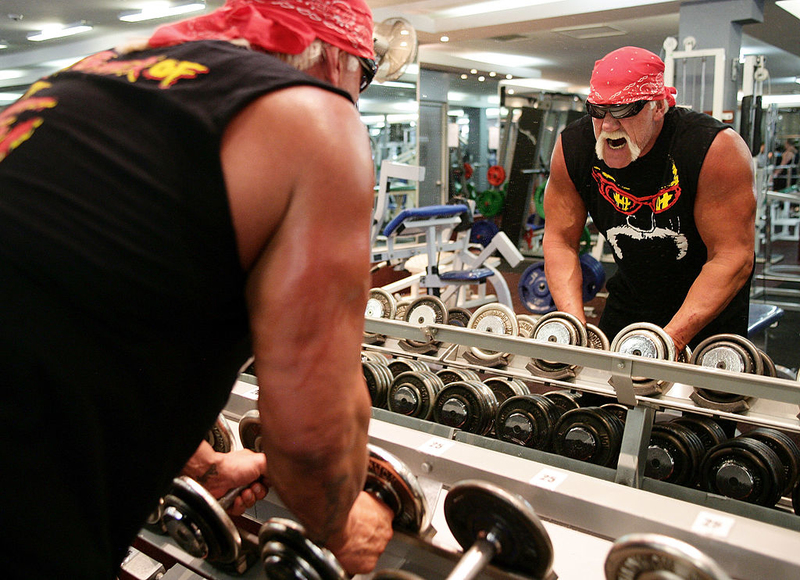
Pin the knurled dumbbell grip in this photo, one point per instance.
(475, 559)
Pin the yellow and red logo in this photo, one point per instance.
(627, 203)
(13, 131)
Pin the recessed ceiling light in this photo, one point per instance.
(161, 10)
(473, 71)
(481, 78)
(444, 38)
(52, 31)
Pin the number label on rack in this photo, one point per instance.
(436, 446)
(548, 479)
(709, 524)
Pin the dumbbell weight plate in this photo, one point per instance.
(412, 393)
(589, 434)
(618, 410)
(404, 365)
(672, 456)
(564, 400)
(786, 449)
(474, 509)
(505, 388)
(393, 483)
(657, 557)
(380, 304)
(466, 405)
(199, 525)
(743, 469)
(596, 338)
(220, 435)
(559, 328)
(451, 375)
(378, 378)
(527, 420)
(402, 308)
(424, 311)
(457, 316)
(287, 554)
(526, 325)
(708, 430)
(493, 319)
(648, 341)
(727, 352)
(250, 431)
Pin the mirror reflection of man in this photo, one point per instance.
(673, 193)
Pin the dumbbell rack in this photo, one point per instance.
(588, 506)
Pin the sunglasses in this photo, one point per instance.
(617, 111)
(628, 204)
(368, 70)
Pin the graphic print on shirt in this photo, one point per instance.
(641, 221)
(19, 121)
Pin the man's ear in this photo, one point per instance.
(661, 109)
(331, 64)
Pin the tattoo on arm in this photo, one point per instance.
(208, 474)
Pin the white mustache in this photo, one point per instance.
(633, 148)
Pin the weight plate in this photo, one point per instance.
(287, 554)
(564, 400)
(589, 434)
(743, 469)
(482, 232)
(457, 316)
(466, 405)
(427, 310)
(617, 409)
(392, 482)
(401, 309)
(594, 276)
(526, 420)
(378, 378)
(526, 324)
(727, 352)
(412, 393)
(452, 375)
(374, 356)
(786, 449)
(403, 365)
(220, 436)
(769, 368)
(671, 456)
(478, 510)
(505, 388)
(649, 341)
(198, 524)
(559, 328)
(380, 304)
(496, 175)
(708, 430)
(490, 203)
(653, 557)
(596, 338)
(250, 431)
(534, 292)
(493, 319)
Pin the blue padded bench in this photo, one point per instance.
(761, 317)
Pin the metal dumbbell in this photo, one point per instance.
(379, 378)
(286, 552)
(590, 434)
(707, 429)
(745, 469)
(466, 405)
(504, 388)
(492, 319)
(498, 527)
(451, 375)
(380, 304)
(648, 341)
(527, 420)
(786, 450)
(641, 556)
(424, 311)
(413, 393)
(735, 354)
(558, 328)
(220, 435)
(674, 454)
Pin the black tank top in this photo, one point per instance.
(122, 314)
(646, 213)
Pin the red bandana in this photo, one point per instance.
(627, 75)
(286, 26)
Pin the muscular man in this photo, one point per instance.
(671, 190)
(164, 213)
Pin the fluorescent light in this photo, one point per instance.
(3, 44)
(161, 10)
(10, 73)
(487, 7)
(8, 98)
(791, 6)
(52, 31)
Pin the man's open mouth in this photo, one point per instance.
(617, 143)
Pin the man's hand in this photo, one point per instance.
(221, 472)
(368, 531)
